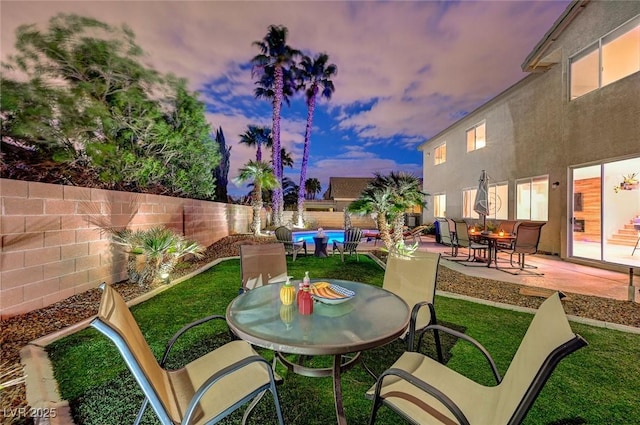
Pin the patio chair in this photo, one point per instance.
(352, 237)
(464, 241)
(262, 264)
(204, 391)
(509, 227)
(526, 242)
(415, 233)
(425, 391)
(285, 236)
(446, 237)
(414, 280)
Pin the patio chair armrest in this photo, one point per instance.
(185, 328)
(427, 388)
(202, 390)
(472, 341)
(414, 316)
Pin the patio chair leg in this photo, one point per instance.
(141, 411)
(251, 406)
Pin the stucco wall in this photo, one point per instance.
(534, 130)
(53, 245)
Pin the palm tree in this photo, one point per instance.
(256, 136)
(388, 197)
(406, 193)
(313, 74)
(376, 201)
(261, 175)
(312, 187)
(275, 56)
(285, 161)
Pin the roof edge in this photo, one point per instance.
(531, 63)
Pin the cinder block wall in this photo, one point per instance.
(53, 244)
(332, 220)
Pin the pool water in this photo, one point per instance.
(333, 235)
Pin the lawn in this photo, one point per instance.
(598, 384)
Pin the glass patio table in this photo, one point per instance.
(371, 318)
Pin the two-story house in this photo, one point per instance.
(560, 145)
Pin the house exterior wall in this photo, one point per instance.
(532, 129)
(53, 245)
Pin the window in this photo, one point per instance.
(498, 202)
(476, 137)
(440, 154)
(532, 199)
(440, 205)
(610, 59)
(468, 199)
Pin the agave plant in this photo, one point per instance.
(400, 249)
(162, 249)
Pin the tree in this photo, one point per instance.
(275, 56)
(312, 187)
(222, 170)
(256, 136)
(387, 198)
(313, 74)
(261, 175)
(90, 105)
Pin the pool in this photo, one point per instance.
(333, 235)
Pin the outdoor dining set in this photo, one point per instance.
(347, 318)
(515, 238)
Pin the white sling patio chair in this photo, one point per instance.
(424, 391)
(204, 391)
(446, 236)
(414, 280)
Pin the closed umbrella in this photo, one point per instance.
(481, 203)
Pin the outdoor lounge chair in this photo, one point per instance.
(205, 390)
(414, 280)
(352, 238)
(526, 242)
(464, 241)
(425, 391)
(285, 236)
(414, 233)
(262, 264)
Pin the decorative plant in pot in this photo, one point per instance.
(629, 182)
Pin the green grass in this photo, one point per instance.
(598, 384)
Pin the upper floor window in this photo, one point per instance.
(609, 59)
(532, 199)
(440, 154)
(440, 205)
(476, 137)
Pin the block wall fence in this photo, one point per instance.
(53, 244)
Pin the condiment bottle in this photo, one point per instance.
(287, 293)
(305, 302)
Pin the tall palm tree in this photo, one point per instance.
(275, 56)
(256, 136)
(312, 187)
(313, 74)
(285, 161)
(261, 175)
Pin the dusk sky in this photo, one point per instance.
(406, 70)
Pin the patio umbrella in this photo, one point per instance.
(481, 203)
